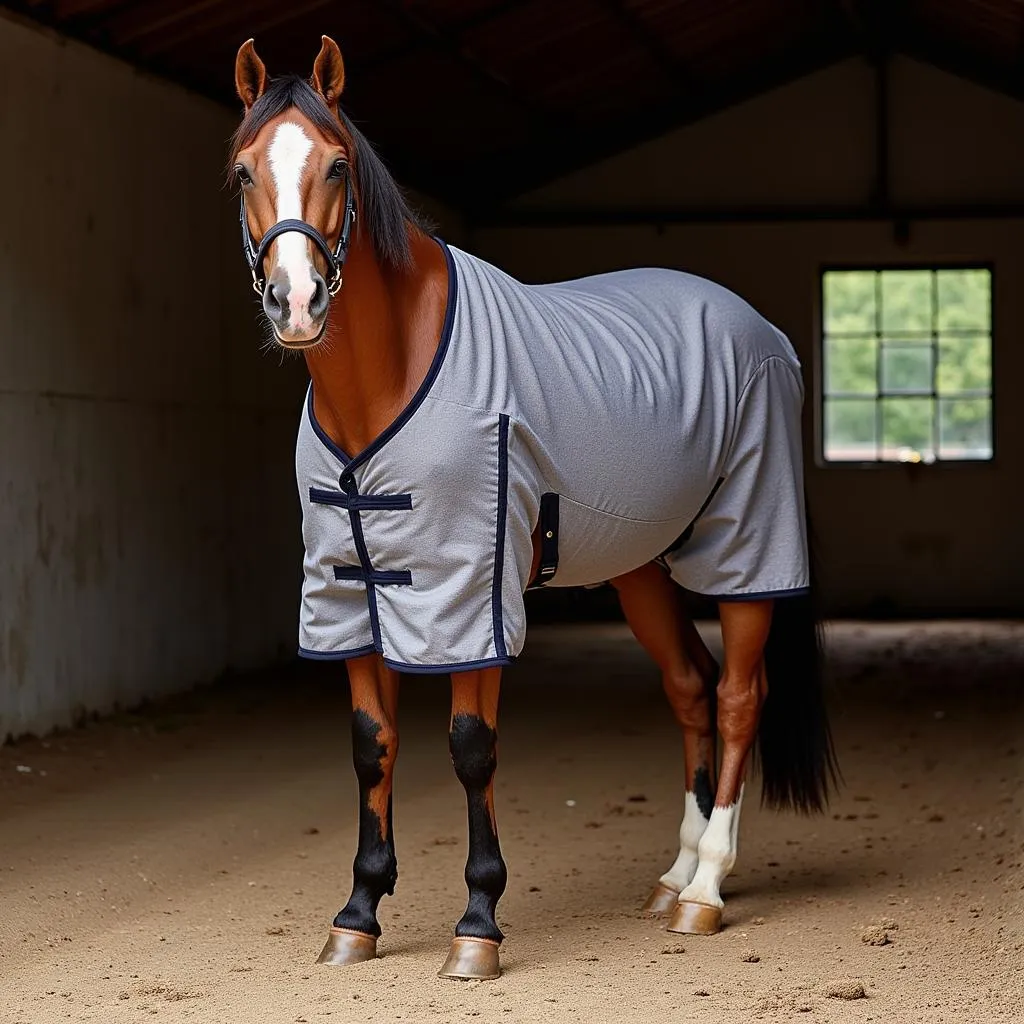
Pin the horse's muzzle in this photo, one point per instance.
(298, 319)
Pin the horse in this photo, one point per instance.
(466, 437)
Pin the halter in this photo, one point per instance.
(255, 255)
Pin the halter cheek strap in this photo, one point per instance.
(255, 255)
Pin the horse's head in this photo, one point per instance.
(290, 160)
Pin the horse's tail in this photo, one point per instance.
(797, 758)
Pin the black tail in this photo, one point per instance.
(797, 758)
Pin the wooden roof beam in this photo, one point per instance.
(669, 64)
(454, 48)
(874, 24)
(458, 34)
(223, 21)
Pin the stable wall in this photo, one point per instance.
(148, 531)
(149, 526)
(892, 538)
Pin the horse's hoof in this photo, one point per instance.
(661, 900)
(471, 959)
(345, 946)
(695, 919)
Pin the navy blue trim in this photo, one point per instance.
(379, 577)
(358, 652)
(499, 539)
(421, 392)
(367, 566)
(762, 596)
(462, 666)
(362, 502)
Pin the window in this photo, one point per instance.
(907, 365)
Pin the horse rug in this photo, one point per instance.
(638, 415)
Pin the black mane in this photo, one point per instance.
(384, 211)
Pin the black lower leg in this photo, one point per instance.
(473, 747)
(375, 869)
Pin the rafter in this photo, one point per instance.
(84, 14)
(874, 25)
(237, 23)
(143, 22)
(853, 15)
(458, 34)
(603, 217)
(671, 67)
(436, 39)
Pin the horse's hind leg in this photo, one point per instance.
(741, 693)
(473, 740)
(354, 934)
(653, 606)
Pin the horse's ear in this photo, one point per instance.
(250, 75)
(329, 72)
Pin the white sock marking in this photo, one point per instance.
(692, 828)
(288, 152)
(716, 855)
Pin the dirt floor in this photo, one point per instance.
(184, 863)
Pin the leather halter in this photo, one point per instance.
(255, 255)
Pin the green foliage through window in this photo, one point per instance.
(907, 365)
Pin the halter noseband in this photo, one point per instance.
(255, 255)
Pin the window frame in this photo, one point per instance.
(820, 396)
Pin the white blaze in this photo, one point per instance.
(289, 150)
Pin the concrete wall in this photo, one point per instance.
(149, 534)
(893, 537)
(147, 523)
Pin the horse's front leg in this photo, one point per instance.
(473, 740)
(354, 934)
(741, 694)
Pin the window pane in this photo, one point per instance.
(849, 297)
(907, 369)
(907, 429)
(907, 364)
(850, 365)
(906, 300)
(965, 300)
(965, 428)
(965, 364)
(850, 429)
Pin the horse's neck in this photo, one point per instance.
(382, 334)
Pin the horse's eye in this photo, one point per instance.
(338, 168)
(243, 175)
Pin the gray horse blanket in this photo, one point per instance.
(635, 416)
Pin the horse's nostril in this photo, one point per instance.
(318, 303)
(275, 301)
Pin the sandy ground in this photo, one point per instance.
(183, 864)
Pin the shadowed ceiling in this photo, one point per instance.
(475, 101)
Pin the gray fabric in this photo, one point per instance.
(629, 395)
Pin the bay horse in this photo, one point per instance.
(466, 437)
